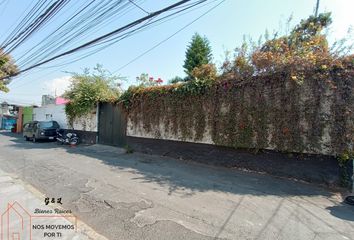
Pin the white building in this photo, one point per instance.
(85, 126)
(51, 112)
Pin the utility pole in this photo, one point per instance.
(316, 9)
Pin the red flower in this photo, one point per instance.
(159, 80)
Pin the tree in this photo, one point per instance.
(89, 88)
(198, 53)
(305, 47)
(302, 48)
(7, 67)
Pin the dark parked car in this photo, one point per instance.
(44, 130)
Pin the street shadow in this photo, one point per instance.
(183, 177)
(342, 211)
(20, 142)
(186, 178)
(227, 220)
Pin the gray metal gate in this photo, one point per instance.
(111, 125)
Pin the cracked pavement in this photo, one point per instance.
(138, 196)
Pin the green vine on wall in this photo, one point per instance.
(286, 94)
(260, 112)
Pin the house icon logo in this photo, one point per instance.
(16, 223)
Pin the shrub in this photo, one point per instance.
(205, 72)
(7, 68)
(304, 47)
(89, 88)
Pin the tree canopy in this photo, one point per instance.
(7, 67)
(304, 47)
(89, 88)
(198, 53)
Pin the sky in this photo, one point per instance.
(225, 27)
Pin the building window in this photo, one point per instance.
(48, 116)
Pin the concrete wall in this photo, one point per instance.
(270, 124)
(57, 113)
(162, 131)
(86, 127)
(273, 113)
(86, 123)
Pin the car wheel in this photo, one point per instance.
(34, 139)
(26, 138)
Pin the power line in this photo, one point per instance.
(146, 24)
(168, 38)
(73, 37)
(155, 46)
(118, 38)
(142, 9)
(74, 30)
(20, 36)
(82, 20)
(22, 23)
(46, 48)
(106, 37)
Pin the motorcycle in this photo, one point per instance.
(68, 138)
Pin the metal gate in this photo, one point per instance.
(111, 125)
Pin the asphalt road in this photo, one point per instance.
(137, 196)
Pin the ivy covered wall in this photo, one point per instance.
(274, 112)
